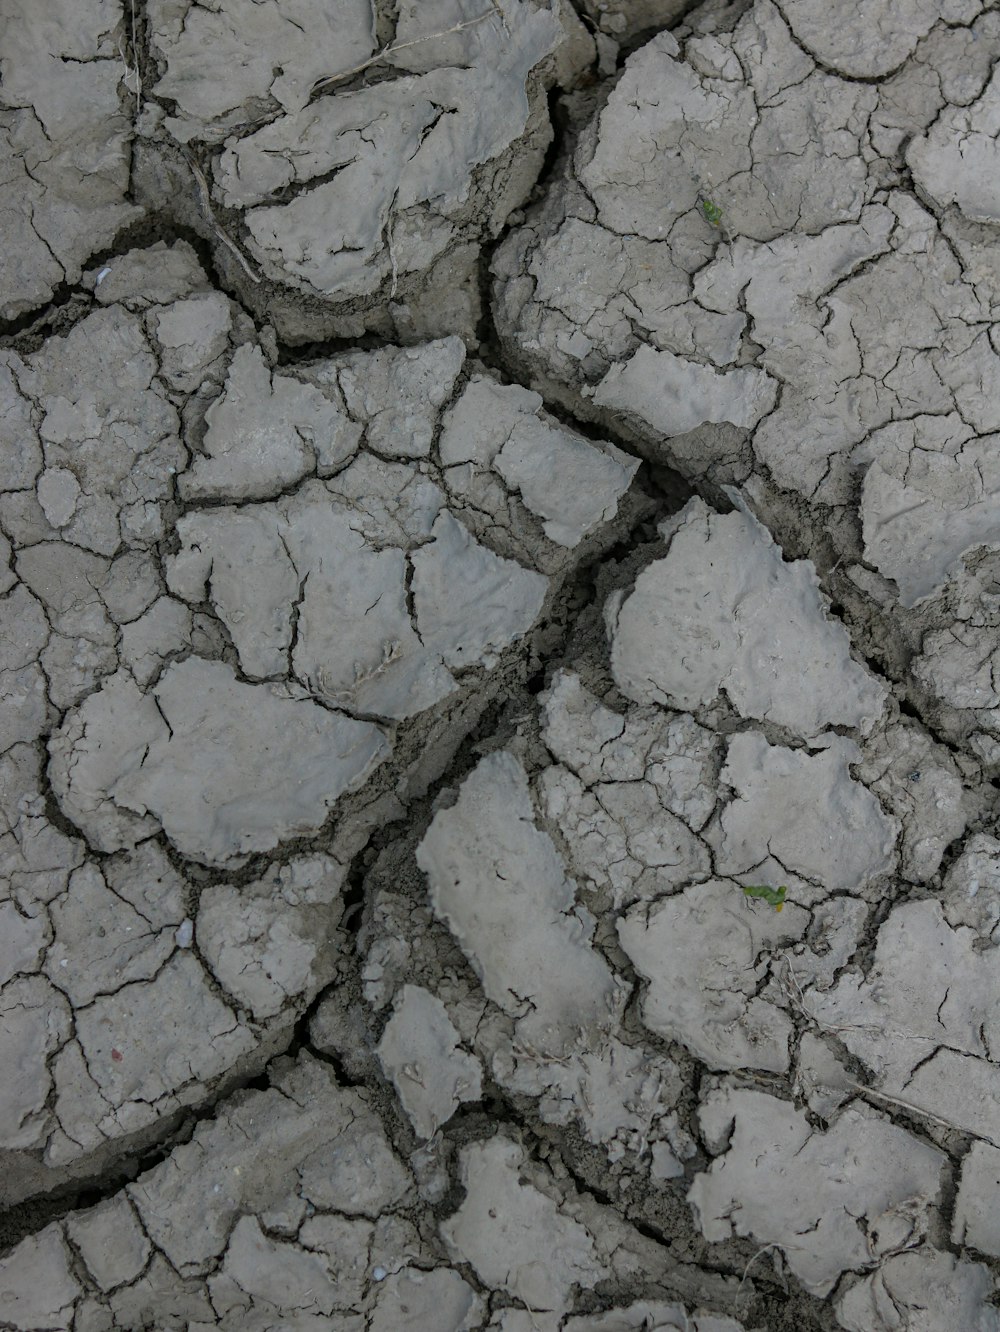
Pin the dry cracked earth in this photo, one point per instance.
(500, 660)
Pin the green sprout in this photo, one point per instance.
(772, 896)
(713, 213)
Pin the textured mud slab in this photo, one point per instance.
(65, 133)
(822, 336)
(365, 152)
(215, 679)
(499, 550)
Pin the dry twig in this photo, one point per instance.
(502, 16)
(206, 204)
(330, 79)
(913, 1109)
(131, 70)
(746, 1271)
(392, 248)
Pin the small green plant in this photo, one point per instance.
(713, 213)
(772, 896)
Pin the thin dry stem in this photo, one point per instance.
(746, 1271)
(798, 1001)
(206, 204)
(330, 79)
(131, 70)
(913, 1109)
(392, 248)
(502, 16)
(135, 53)
(856, 1087)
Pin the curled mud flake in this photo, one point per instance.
(492, 1230)
(931, 1045)
(205, 730)
(955, 161)
(419, 1051)
(38, 1288)
(926, 1286)
(710, 1004)
(931, 499)
(64, 151)
(975, 1218)
(723, 612)
(869, 40)
(58, 493)
(480, 857)
(675, 396)
(384, 190)
(771, 1182)
(801, 813)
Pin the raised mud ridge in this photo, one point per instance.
(500, 666)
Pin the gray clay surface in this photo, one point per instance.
(499, 666)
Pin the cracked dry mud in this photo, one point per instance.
(481, 486)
